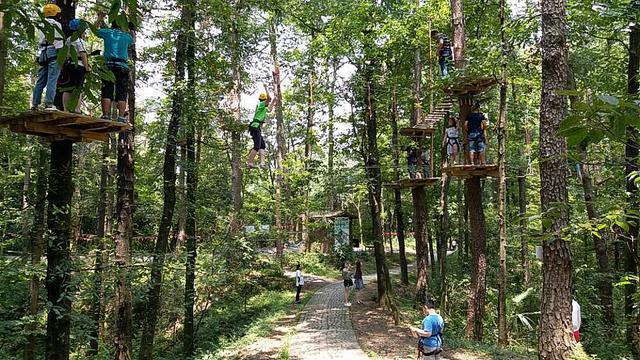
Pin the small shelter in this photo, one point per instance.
(339, 228)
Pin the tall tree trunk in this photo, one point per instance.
(169, 187)
(309, 141)
(502, 186)
(37, 242)
(26, 185)
(103, 232)
(125, 206)
(631, 158)
(385, 292)
(281, 146)
(179, 236)
(457, 24)
(76, 219)
(397, 194)
(58, 281)
(419, 193)
(236, 145)
(192, 187)
(478, 291)
(331, 202)
(555, 340)
(3, 57)
(442, 239)
(522, 195)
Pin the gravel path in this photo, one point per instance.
(324, 331)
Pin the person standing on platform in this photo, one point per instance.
(412, 161)
(50, 40)
(445, 55)
(426, 162)
(116, 56)
(452, 141)
(476, 125)
(75, 71)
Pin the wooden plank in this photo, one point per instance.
(467, 171)
(39, 129)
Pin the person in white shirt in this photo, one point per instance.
(576, 319)
(75, 72)
(48, 69)
(299, 283)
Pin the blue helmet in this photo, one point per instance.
(76, 24)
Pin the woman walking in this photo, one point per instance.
(357, 278)
(299, 283)
(346, 280)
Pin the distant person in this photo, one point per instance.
(476, 125)
(445, 55)
(116, 57)
(359, 282)
(576, 318)
(48, 67)
(346, 281)
(75, 72)
(430, 333)
(299, 283)
(265, 105)
(425, 156)
(412, 161)
(452, 141)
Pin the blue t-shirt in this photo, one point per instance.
(116, 45)
(474, 122)
(432, 324)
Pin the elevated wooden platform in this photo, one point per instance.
(467, 171)
(468, 85)
(60, 125)
(421, 130)
(412, 183)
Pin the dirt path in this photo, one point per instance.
(324, 331)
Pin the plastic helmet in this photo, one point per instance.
(74, 24)
(263, 96)
(50, 10)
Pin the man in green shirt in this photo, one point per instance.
(264, 106)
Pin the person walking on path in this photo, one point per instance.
(576, 318)
(265, 105)
(430, 333)
(48, 67)
(347, 282)
(476, 125)
(299, 283)
(116, 56)
(359, 282)
(445, 55)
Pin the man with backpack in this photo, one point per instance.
(430, 333)
(445, 55)
(50, 40)
(116, 56)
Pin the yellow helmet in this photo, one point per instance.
(263, 96)
(51, 10)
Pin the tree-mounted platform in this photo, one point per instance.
(60, 125)
(467, 171)
(468, 85)
(413, 183)
(428, 125)
(418, 131)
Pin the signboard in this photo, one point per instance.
(341, 230)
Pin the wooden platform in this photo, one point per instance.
(467, 171)
(421, 130)
(60, 125)
(412, 183)
(468, 85)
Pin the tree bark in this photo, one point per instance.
(478, 291)
(309, 141)
(192, 187)
(3, 58)
(555, 340)
(442, 239)
(58, 280)
(169, 187)
(631, 168)
(522, 197)
(37, 242)
(397, 195)
(502, 186)
(281, 145)
(457, 24)
(125, 206)
(385, 292)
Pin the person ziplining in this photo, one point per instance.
(265, 105)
